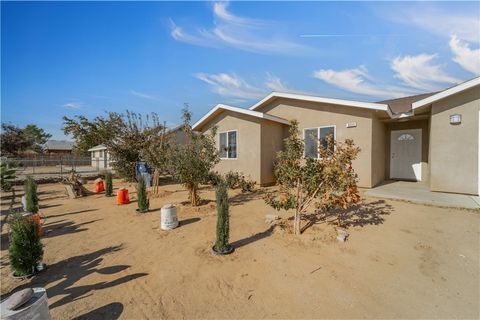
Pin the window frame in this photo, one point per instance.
(228, 143)
(318, 140)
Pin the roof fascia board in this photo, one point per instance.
(446, 93)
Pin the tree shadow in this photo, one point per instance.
(67, 272)
(45, 206)
(61, 228)
(70, 213)
(184, 222)
(111, 311)
(253, 238)
(358, 215)
(243, 197)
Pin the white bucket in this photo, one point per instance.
(35, 309)
(168, 217)
(24, 203)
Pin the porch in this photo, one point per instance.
(418, 192)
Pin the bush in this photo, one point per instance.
(25, 250)
(108, 184)
(246, 185)
(223, 224)
(213, 178)
(31, 197)
(143, 202)
(232, 179)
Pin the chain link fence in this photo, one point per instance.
(54, 168)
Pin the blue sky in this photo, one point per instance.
(68, 58)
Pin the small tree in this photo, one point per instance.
(108, 184)
(7, 179)
(31, 197)
(190, 163)
(327, 182)
(142, 196)
(223, 219)
(26, 249)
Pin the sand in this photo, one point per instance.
(105, 261)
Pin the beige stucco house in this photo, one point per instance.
(433, 138)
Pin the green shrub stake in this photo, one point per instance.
(143, 202)
(25, 249)
(223, 224)
(108, 184)
(31, 197)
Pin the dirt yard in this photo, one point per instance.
(107, 261)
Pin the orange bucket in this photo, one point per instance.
(99, 187)
(37, 220)
(122, 196)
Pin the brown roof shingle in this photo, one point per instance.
(404, 104)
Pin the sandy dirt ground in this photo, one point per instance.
(106, 261)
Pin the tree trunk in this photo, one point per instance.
(193, 196)
(296, 223)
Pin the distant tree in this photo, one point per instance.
(325, 183)
(37, 137)
(13, 140)
(190, 163)
(90, 133)
(132, 138)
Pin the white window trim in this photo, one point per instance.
(318, 133)
(228, 143)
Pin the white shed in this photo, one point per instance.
(100, 157)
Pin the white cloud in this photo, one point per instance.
(359, 81)
(230, 85)
(238, 32)
(73, 105)
(442, 21)
(468, 59)
(420, 72)
(143, 95)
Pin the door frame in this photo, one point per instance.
(421, 150)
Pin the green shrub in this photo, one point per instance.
(246, 185)
(26, 249)
(7, 176)
(223, 228)
(31, 197)
(143, 202)
(213, 178)
(108, 184)
(232, 179)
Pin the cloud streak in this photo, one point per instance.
(73, 105)
(143, 95)
(467, 58)
(237, 32)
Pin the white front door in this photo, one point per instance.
(406, 154)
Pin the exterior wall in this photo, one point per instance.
(248, 143)
(311, 114)
(271, 142)
(454, 148)
(411, 124)
(378, 151)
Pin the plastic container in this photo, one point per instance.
(122, 196)
(99, 186)
(168, 217)
(35, 309)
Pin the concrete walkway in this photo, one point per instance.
(418, 192)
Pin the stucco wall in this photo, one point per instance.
(311, 114)
(248, 143)
(272, 141)
(378, 151)
(454, 148)
(411, 124)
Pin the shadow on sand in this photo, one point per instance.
(111, 311)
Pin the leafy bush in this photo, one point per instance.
(223, 223)
(31, 197)
(246, 185)
(232, 179)
(108, 184)
(143, 202)
(213, 178)
(7, 176)
(26, 249)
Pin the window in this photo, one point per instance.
(405, 137)
(228, 144)
(315, 136)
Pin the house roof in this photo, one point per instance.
(58, 145)
(219, 108)
(446, 93)
(350, 103)
(404, 105)
(99, 147)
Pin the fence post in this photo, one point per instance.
(61, 168)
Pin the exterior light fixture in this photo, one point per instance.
(455, 118)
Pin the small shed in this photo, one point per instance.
(100, 157)
(60, 147)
